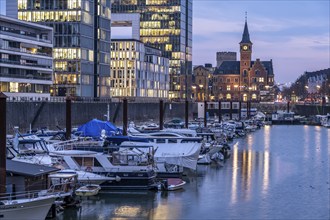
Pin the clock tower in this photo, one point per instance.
(245, 55)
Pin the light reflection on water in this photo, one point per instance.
(277, 172)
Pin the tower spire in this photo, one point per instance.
(246, 35)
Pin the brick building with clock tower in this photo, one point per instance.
(244, 80)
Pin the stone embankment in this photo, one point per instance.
(52, 114)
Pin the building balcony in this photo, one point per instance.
(27, 77)
(20, 65)
(22, 36)
(20, 51)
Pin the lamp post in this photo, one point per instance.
(193, 92)
(306, 87)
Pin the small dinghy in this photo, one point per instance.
(88, 190)
(171, 184)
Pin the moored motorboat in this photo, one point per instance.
(26, 208)
(171, 184)
(88, 190)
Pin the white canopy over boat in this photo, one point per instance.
(182, 154)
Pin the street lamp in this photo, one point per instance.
(194, 92)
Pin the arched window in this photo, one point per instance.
(245, 73)
(257, 72)
(228, 96)
(254, 96)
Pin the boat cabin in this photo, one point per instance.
(27, 177)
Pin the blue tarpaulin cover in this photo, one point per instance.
(94, 129)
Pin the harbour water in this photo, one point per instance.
(277, 172)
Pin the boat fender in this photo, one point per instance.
(89, 169)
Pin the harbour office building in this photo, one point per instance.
(25, 59)
(166, 25)
(138, 70)
(81, 43)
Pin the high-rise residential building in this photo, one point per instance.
(25, 59)
(166, 25)
(138, 70)
(81, 43)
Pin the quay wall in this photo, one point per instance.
(53, 114)
(307, 110)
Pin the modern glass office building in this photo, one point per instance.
(81, 43)
(138, 70)
(166, 25)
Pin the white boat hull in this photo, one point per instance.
(27, 209)
(90, 190)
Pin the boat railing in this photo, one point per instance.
(22, 195)
(74, 143)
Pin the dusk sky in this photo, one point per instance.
(294, 34)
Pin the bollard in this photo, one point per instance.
(125, 117)
(161, 115)
(205, 114)
(68, 118)
(231, 110)
(186, 113)
(239, 110)
(220, 113)
(3, 109)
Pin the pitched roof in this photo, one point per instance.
(228, 67)
(200, 67)
(233, 67)
(268, 66)
(246, 35)
(28, 169)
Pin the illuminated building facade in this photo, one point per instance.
(25, 59)
(244, 80)
(138, 70)
(166, 25)
(81, 43)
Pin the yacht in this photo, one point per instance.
(35, 150)
(129, 166)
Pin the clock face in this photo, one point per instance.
(245, 47)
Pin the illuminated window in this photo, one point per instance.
(91, 55)
(245, 97)
(228, 87)
(168, 47)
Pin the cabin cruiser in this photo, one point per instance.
(174, 152)
(35, 151)
(324, 120)
(131, 167)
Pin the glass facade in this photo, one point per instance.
(166, 25)
(81, 43)
(25, 59)
(138, 70)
